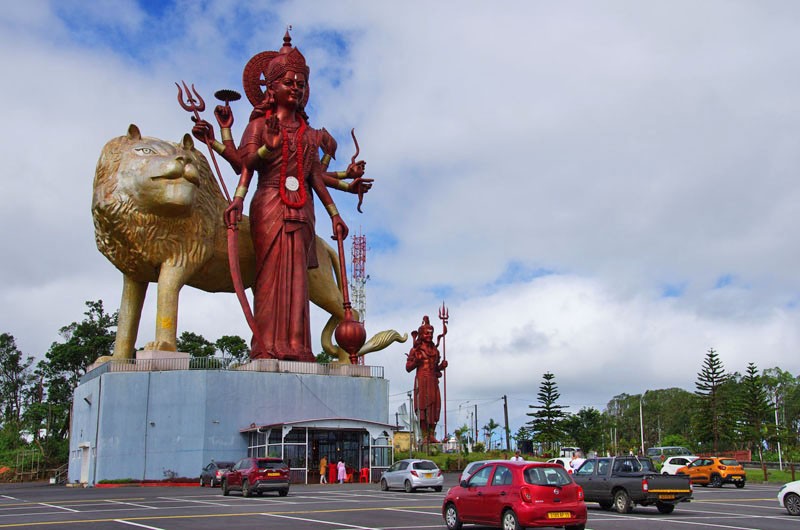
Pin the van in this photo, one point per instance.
(670, 450)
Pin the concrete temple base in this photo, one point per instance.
(143, 424)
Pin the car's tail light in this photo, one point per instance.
(580, 493)
(439, 474)
(723, 468)
(414, 473)
(645, 486)
(525, 494)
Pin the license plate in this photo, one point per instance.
(666, 497)
(559, 515)
(428, 475)
(273, 474)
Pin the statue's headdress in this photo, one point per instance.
(266, 67)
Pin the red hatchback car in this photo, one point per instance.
(515, 495)
(257, 475)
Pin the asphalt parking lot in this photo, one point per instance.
(348, 506)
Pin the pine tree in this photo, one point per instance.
(755, 408)
(711, 410)
(546, 422)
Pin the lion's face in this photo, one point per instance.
(160, 177)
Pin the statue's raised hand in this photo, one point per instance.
(224, 116)
(203, 131)
(272, 133)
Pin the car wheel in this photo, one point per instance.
(740, 485)
(283, 493)
(451, 518)
(437, 488)
(510, 521)
(384, 485)
(665, 508)
(665, 473)
(716, 481)
(407, 486)
(225, 490)
(245, 488)
(792, 503)
(202, 482)
(622, 502)
(606, 505)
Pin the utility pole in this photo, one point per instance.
(476, 422)
(505, 414)
(410, 427)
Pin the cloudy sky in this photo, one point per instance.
(603, 190)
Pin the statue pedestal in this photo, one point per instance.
(129, 422)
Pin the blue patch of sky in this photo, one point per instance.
(518, 272)
(381, 242)
(724, 281)
(442, 291)
(336, 44)
(673, 290)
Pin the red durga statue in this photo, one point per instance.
(424, 357)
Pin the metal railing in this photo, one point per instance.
(216, 363)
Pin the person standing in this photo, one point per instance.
(517, 457)
(323, 470)
(341, 471)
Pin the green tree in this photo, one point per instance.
(755, 410)
(233, 348)
(711, 413)
(83, 342)
(586, 428)
(488, 431)
(15, 379)
(546, 422)
(324, 358)
(195, 345)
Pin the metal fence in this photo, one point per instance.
(216, 363)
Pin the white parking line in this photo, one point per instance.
(137, 524)
(334, 523)
(10, 498)
(437, 514)
(58, 507)
(111, 501)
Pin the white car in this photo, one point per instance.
(563, 462)
(789, 497)
(673, 463)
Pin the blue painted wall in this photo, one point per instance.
(148, 425)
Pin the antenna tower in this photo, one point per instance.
(359, 279)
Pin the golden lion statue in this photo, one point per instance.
(158, 218)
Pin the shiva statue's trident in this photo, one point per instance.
(196, 106)
(444, 315)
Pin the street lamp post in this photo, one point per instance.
(641, 420)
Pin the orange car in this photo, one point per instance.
(714, 471)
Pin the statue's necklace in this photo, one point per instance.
(291, 182)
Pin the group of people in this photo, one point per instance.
(341, 470)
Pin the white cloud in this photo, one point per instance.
(629, 149)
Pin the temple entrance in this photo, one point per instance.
(365, 453)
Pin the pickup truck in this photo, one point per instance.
(624, 481)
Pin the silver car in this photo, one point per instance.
(411, 474)
(472, 467)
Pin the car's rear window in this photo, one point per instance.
(547, 476)
(222, 465)
(425, 464)
(270, 464)
(728, 462)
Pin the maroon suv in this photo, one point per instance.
(257, 475)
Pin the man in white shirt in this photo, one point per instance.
(517, 457)
(577, 461)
